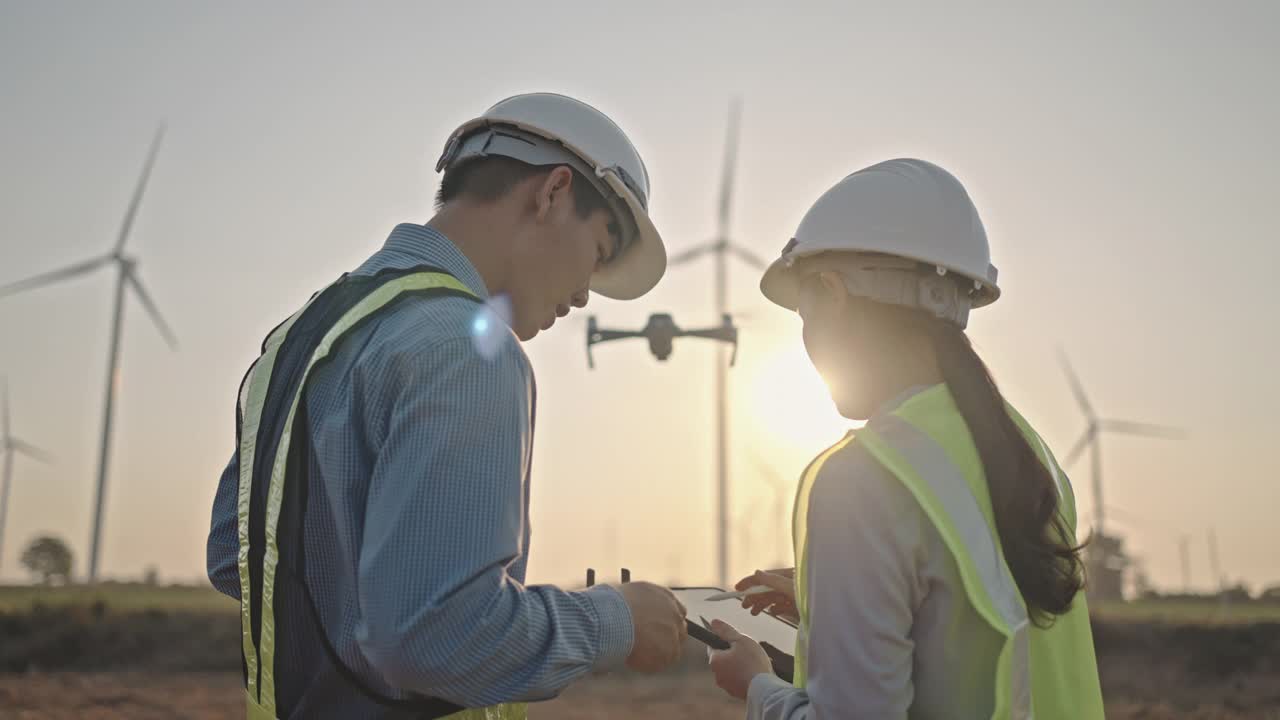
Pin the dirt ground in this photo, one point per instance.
(206, 696)
(96, 663)
(108, 696)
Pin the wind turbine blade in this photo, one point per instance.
(730, 162)
(4, 411)
(690, 255)
(136, 201)
(30, 451)
(748, 257)
(54, 276)
(1079, 448)
(1143, 429)
(151, 309)
(1076, 388)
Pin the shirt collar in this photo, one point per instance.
(422, 245)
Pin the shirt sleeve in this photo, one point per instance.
(863, 584)
(222, 548)
(440, 615)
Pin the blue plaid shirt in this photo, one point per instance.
(417, 558)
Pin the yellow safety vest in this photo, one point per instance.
(1042, 672)
(323, 323)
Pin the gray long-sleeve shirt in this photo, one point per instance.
(893, 635)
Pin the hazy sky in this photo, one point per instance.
(1123, 156)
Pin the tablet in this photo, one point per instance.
(777, 636)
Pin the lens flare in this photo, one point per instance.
(490, 327)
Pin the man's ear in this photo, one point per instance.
(553, 193)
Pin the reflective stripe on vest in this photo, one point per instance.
(260, 660)
(253, 393)
(800, 538)
(948, 501)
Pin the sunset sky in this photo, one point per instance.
(1123, 157)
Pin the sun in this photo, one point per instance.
(790, 403)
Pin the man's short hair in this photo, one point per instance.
(487, 179)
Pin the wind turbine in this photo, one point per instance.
(10, 446)
(1092, 438)
(720, 248)
(126, 267)
(1183, 551)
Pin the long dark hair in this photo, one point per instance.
(1041, 553)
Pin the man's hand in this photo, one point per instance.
(659, 621)
(781, 598)
(736, 667)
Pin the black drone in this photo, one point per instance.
(661, 330)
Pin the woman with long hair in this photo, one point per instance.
(937, 569)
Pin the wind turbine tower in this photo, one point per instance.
(720, 248)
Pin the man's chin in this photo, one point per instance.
(530, 331)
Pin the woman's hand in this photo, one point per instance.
(736, 667)
(780, 600)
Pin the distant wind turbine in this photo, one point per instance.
(1092, 437)
(126, 276)
(10, 446)
(781, 518)
(720, 248)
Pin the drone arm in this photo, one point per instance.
(607, 335)
(728, 334)
(708, 333)
(598, 336)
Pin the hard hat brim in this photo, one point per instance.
(642, 264)
(780, 284)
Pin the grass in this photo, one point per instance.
(117, 597)
(1189, 612)
(122, 596)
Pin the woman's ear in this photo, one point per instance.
(833, 289)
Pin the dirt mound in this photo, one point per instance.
(1206, 652)
(1161, 670)
(1148, 669)
(94, 638)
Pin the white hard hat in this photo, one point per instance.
(909, 210)
(550, 129)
